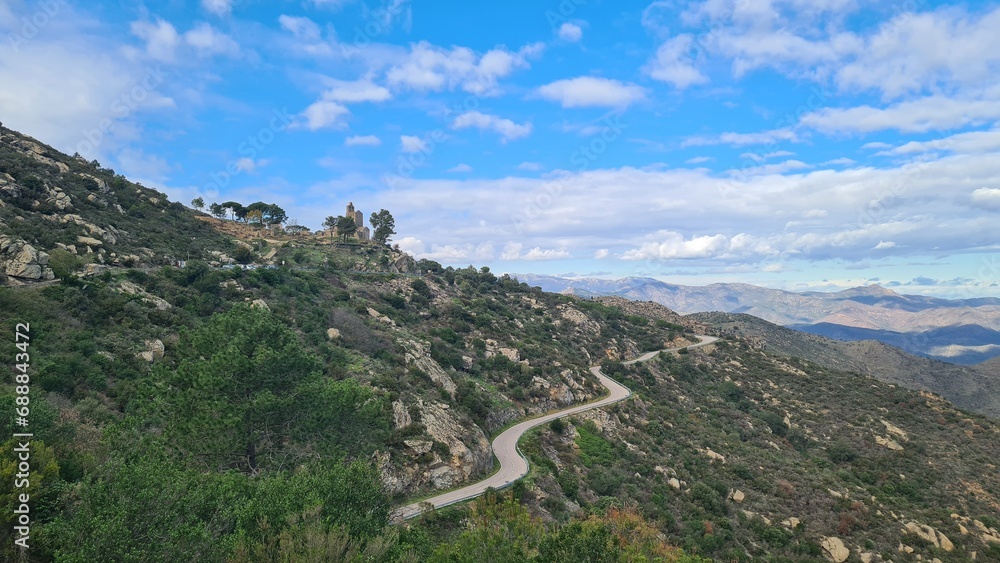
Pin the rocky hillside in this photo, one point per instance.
(744, 455)
(969, 387)
(63, 213)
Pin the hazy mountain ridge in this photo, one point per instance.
(963, 331)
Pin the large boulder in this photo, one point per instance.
(18, 259)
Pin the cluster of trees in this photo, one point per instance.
(382, 226)
(256, 213)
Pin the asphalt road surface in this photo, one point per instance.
(513, 466)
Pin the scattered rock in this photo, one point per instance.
(332, 334)
(130, 288)
(835, 549)
(888, 443)
(895, 430)
(713, 455)
(95, 270)
(154, 350)
(673, 482)
(260, 304)
(929, 534)
(791, 523)
(739, 496)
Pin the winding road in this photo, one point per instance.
(513, 465)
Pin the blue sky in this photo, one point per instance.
(800, 144)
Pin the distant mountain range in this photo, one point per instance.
(964, 331)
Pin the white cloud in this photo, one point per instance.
(411, 144)
(590, 91)
(355, 91)
(602, 254)
(919, 52)
(885, 245)
(505, 127)
(511, 251)
(537, 253)
(460, 168)
(362, 141)
(988, 198)
(530, 166)
(777, 168)
(699, 159)
(325, 114)
(570, 32)
(876, 145)
(160, 36)
(673, 65)
(673, 245)
(842, 161)
(431, 68)
(971, 142)
(207, 41)
(220, 8)
(743, 139)
(915, 116)
(250, 165)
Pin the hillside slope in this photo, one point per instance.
(969, 387)
(87, 215)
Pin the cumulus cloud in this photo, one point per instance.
(218, 7)
(673, 65)
(506, 128)
(570, 32)
(362, 141)
(429, 68)
(324, 114)
(411, 144)
(590, 91)
(460, 168)
(988, 198)
(742, 139)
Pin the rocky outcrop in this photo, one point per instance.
(493, 348)
(469, 453)
(129, 288)
(400, 415)
(929, 534)
(402, 263)
(154, 350)
(21, 261)
(418, 355)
